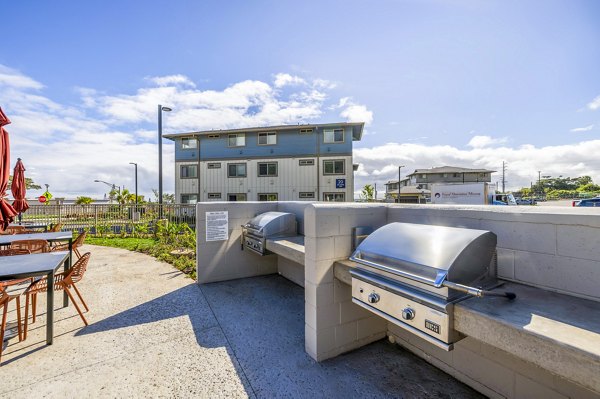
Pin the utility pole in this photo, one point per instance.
(539, 182)
(399, 176)
(375, 192)
(503, 176)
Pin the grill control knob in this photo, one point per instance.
(373, 297)
(408, 314)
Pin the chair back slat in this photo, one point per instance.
(78, 270)
(34, 246)
(79, 240)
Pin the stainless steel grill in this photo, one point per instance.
(267, 225)
(412, 275)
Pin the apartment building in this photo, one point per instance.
(276, 163)
(418, 183)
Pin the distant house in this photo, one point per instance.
(275, 163)
(417, 185)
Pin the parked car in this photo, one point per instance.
(588, 202)
(526, 201)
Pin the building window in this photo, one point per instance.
(236, 197)
(267, 169)
(189, 171)
(306, 131)
(214, 195)
(307, 194)
(236, 170)
(334, 197)
(269, 138)
(456, 175)
(267, 197)
(333, 167)
(236, 140)
(423, 176)
(214, 165)
(306, 162)
(333, 136)
(189, 143)
(189, 198)
(213, 136)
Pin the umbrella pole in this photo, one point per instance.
(20, 218)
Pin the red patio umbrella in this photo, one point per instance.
(19, 188)
(7, 212)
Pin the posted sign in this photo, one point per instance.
(217, 226)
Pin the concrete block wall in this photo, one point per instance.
(297, 208)
(491, 371)
(224, 260)
(333, 324)
(557, 249)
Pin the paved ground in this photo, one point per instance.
(154, 333)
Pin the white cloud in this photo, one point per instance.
(13, 78)
(582, 129)
(172, 80)
(485, 141)
(380, 164)
(285, 79)
(594, 104)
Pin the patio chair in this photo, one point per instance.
(55, 228)
(34, 246)
(62, 281)
(5, 299)
(76, 245)
(15, 230)
(14, 251)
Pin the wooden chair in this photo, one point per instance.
(62, 281)
(15, 230)
(5, 299)
(14, 251)
(34, 246)
(76, 245)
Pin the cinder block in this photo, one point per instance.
(318, 272)
(532, 237)
(487, 372)
(526, 388)
(341, 292)
(471, 344)
(370, 326)
(573, 390)
(345, 334)
(323, 316)
(319, 295)
(321, 226)
(371, 217)
(578, 242)
(571, 275)
(506, 263)
(342, 247)
(351, 312)
(318, 342)
(321, 248)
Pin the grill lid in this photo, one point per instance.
(428, 254)
(270, 223)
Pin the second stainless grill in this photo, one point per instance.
(412, 274)
(266, 225)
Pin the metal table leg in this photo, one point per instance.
(68, 264)
(50, 309)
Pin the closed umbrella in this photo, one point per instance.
(7, 212)
(18, 188)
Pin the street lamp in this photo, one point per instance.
(160, 185)
(399, 175)
(136, 192)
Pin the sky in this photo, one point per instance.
(461, 83)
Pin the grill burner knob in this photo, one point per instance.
(373, 297)
(408, 314)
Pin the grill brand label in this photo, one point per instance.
(430, 325)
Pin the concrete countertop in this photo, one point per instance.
(557, 332)
(291, 248)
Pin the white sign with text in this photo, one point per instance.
(217, 226)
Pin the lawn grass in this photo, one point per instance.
(131, 244)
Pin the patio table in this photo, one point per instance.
(7, 239)
(34, 265)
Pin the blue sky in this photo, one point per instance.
(467, 83)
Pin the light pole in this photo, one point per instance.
(136, 192)
(160, 186)
(399, 176)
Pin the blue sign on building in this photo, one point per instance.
(340, 183)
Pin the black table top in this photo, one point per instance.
(59, 236)
(20, 266)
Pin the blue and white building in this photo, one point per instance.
(276, 163)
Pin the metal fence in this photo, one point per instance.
(109, 218)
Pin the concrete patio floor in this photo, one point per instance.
(155, 333)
